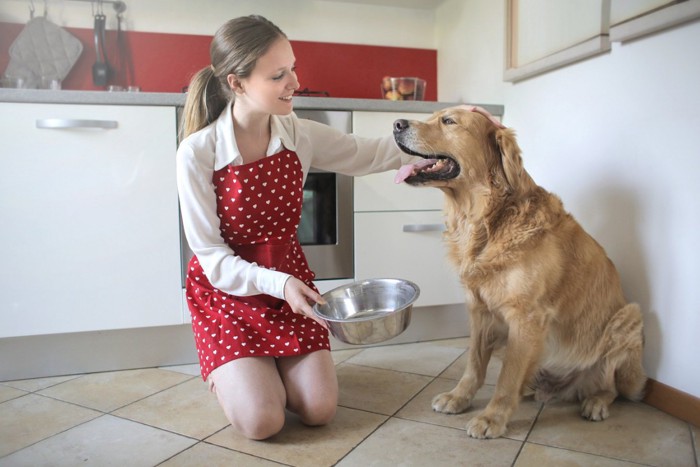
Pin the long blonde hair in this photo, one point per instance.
(235, 49)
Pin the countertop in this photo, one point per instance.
(41, 96)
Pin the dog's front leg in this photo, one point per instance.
(523, 350)
(482, 341)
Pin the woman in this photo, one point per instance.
(241, 169)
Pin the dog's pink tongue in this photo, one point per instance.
(411, 169)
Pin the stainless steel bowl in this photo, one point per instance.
(368, 311)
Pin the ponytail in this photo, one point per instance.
(205, 100)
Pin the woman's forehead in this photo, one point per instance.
(279, 56)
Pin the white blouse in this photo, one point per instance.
(214, 147)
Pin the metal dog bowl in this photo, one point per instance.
(369, 311)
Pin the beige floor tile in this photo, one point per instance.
(188, 408)
(300, 445)
(534, 455)
(424, 358)
(107, 440)
(215, 456)
(7, 393)
(420, 409)
(634, 432)
(377, 390)
(456, 370)
(696, 437)
(191, 369)
(37, 384)
(339, 356)
(409, 443)
(109, 391)
(31, 418)
(457, 342)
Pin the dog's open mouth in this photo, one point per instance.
(432, 167)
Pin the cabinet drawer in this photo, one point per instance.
(407, 245)
(378, 192)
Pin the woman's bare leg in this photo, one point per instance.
(311, 385)
(252, 395)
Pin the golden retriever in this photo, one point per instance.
(537, 283)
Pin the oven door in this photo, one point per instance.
(326, 227)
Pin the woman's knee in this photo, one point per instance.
(252, 396)
(312, 387)
(256, 423)
(318, 412)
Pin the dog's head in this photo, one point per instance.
(461, 146)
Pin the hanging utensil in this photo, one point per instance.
(101, 70)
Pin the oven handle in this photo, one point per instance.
(424, 227)
(70, 123)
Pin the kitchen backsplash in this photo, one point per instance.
(158, 62)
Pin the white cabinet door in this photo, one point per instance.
(378, 192)
(407, 245)
(89, 210)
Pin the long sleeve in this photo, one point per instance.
(348, 154)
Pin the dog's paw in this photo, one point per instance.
(594, 409)
(482, 427)
(447, 402)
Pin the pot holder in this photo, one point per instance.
(44, 49)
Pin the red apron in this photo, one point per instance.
(259, 207)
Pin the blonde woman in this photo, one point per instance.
(241, 167)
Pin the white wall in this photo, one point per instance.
(308, 20)
(616, 137)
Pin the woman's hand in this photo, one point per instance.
(301, 298)
(485, 113)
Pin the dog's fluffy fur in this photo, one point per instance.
(537, 283)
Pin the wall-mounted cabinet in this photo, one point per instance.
(542, 35)
(631, 19)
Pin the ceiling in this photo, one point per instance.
(415, 4)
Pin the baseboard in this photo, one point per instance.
(87, 352)
(673, 401)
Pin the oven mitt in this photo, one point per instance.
(43, 49)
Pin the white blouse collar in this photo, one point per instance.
(226, 148)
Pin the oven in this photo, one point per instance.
(326, 227)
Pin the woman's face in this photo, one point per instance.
(270, 86)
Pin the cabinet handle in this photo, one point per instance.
(424, 227)
(70, 123)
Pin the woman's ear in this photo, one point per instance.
(235, 84)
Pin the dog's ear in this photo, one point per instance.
(512, 163)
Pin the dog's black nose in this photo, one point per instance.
(400, 125)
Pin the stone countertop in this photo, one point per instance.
(41, 96)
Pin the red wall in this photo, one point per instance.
(165, 62)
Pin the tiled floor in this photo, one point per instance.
(167, 417)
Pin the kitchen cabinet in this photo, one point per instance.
(543, 35)
(398, 228)
(90, 237)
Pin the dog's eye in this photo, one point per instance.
(448, 121)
